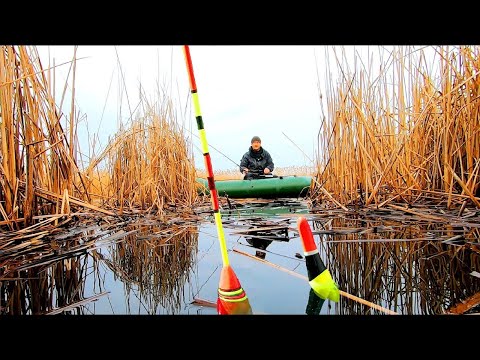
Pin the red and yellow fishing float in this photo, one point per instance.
(319, 277)
(232, 299)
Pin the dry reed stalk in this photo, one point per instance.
(404, 129)
(34, 148)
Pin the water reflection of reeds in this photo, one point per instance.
(409, 269)
(39, 291)
(48, 276)
(156, 262)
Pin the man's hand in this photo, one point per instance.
(266, 171)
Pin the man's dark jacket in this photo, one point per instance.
(256, 160)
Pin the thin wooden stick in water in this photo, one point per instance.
(202, 302)
(77, 304)
(343, 293)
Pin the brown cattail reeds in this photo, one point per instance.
(404, 132)
(37, 141)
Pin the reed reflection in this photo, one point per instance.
(154, 264)
(410, 269)
(55, 289)
(50, 277)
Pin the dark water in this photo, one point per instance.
(405, 269)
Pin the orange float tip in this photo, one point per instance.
(228, 280)
(306, 236)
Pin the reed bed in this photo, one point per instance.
(149, 165)
(37, 142)
(404, 132)
(147, 168)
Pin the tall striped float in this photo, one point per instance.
(232, 299)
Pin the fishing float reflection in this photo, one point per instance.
(315, 303)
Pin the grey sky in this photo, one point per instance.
(269, 91)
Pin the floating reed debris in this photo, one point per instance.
(156, 257)
(404, 133)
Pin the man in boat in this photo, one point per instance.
(256, 162)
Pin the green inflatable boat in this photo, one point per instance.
(290, 186)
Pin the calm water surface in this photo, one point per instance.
(402, 268)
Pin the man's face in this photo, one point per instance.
(256, 145)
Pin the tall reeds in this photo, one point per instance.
(405, 131)
(37, 141)
(150, 165)
(147, 166)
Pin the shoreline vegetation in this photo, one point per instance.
(405, 136)
(402, 139)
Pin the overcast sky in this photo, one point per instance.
(268, 91)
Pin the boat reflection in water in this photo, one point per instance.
(263, 221)
(262, 237)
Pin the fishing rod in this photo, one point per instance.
(213, 147)
(232, 299)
